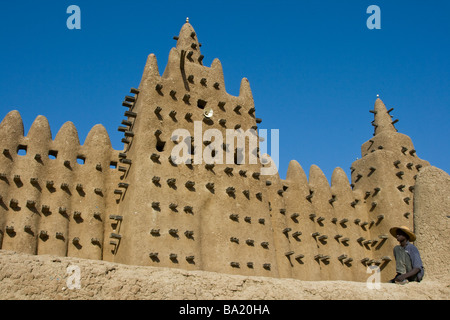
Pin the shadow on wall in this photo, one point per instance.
(432, 220)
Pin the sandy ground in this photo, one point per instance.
(28, 277)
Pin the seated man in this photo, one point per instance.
(408, 263)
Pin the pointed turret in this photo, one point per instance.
(217, 72)
(217, 65)
(186, 51)
(245, 91)
(67, 136)
(98, 138)
(317, 177)
(383, 120)
(187, 42)
(39, 136)
(151, 70)
(40, 130)
(296, 173)
(386, 136)
(11, 125)
(339, 179)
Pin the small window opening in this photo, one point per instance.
(52, 154)
(81, 160)
(22, 150)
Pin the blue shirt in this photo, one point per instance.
(416, 261)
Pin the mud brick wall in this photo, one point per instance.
(214, 210)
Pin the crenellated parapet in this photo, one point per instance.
(321, 231)
(55, 192)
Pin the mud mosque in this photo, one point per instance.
(136, 206)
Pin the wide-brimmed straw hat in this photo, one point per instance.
(412, 236)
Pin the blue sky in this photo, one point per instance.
(314, 67)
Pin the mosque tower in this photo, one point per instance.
(386, 176)
(209, 215)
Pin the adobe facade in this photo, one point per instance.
(137, 206)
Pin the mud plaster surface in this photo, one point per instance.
(44, 277)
